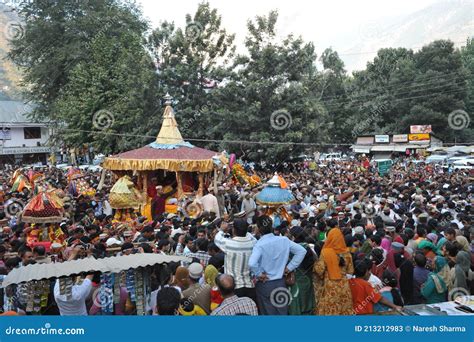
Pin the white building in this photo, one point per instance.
(22, 141)
(384, 146)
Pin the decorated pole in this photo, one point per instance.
(179, 184)
(201, 184)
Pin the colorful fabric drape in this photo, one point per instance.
(19, 183)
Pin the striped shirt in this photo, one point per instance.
(202, 256)
(234, 305)
(237, 254)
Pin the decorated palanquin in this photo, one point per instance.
(191, 166)
(44, 212)
(243, 178)
(125, 198)
(275, 196)
(77, 184)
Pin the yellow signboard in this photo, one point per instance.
(418, 137)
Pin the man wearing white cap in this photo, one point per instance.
(197, 293)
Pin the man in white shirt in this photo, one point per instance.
(75, 304)
(107, 209)
(248, 206)
(210, 204)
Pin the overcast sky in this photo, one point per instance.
(335, 23)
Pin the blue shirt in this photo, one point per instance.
(379, 307)
(271, 253)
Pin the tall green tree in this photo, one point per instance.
(79, 57)
(439, 87)
(373, 92)
(268, 97)
(109, 97)
(331, 87)
(467, 54)
(400, 88)
(191, 63)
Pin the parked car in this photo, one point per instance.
(418, 161)
(437, 159)
(300, 158)
(453, 159)
(337, 156)
(63, 166)
(93, 168)
(464, 164)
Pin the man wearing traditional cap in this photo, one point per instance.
(197, 293)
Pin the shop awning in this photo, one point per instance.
(385, 148)
(360, 148)
(113, 264)
(382, 148)
(404, 147)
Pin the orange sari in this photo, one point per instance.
(333, 246)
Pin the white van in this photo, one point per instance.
(337, 156)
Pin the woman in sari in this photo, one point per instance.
(334, 296)
(435, 289)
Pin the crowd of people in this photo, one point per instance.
(356, 243)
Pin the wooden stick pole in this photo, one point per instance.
(180, 184)
(201, 184)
